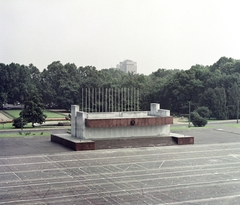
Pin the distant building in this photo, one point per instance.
(127, 66)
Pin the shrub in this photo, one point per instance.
(197, 120)
(19, 123)
(203, 112)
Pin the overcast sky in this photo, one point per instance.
(154, 33)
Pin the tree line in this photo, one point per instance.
(60, 86)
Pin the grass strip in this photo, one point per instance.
(25, 134)
(13, 113)
(185, 127)
(52, 114)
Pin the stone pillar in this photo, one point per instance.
(74, 110)
(163, 113)
(81, 125)
(154, 109)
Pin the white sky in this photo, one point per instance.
(154, 33)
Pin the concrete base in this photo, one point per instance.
(73, 143)
(110, 143)
(182, 139)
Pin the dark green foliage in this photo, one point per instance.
(215, 87)
(203, 112)
(19, 122)
(197, 120)
(33, 110)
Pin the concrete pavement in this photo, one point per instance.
(36, 171)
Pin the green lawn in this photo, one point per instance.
(50, 114)
(9, 126)
(185, 127)
(237, 125)
(14, 113)
(25, 134)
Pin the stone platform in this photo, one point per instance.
(110, 143)
(73, 143)
(182, 139)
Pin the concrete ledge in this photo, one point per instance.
(73, 143)
(182, 139)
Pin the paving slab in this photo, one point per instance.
(36, 171)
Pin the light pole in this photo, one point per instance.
(22, 119)
(189, 111)
(237, 110)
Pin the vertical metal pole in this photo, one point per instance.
(82, 99)
(128, 99)
(125, 96)
(88, 107)
(138, 98)
(237, 110)
(22, 120)
(189, 111)
(133, 99)
(109, 100)
(92, 100)
(85, 100)
(106, 100)
(118, 100)
(115, 100)
(132, 106)
(95, 100)
(112, 100)
(99, 99)
(102, 99)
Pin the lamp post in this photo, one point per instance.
(237, 110)
(189, 111)
(22, 119)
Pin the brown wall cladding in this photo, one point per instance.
(124, 122)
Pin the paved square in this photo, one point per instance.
(191, 174)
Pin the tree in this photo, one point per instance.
(33, 110)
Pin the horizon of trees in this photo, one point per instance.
(215, 87)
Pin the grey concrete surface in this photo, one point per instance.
(207, 172)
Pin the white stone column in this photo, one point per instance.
(74, 110)
(154, 109)
(163, 113)
(81, 116)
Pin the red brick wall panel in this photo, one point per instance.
(123, 122)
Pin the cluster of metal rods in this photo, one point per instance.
(109, 99)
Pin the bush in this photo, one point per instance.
(197, 120)
(19, 123)
(203, 112)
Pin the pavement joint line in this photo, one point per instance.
(100, 158)
(122, 193)
(90, 174)
(17, 176)
(126, 150)
(161, 164)
(208, 173)
(58, 166)
(202, 200)
(118, 164)
(110, 179)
